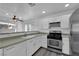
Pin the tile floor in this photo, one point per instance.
(45, 52)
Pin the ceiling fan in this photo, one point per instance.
(13, 18)
(16, 19)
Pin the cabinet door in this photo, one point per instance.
(37, 43)
(30, 47)
(33, 45)
(16, 50)
(44, 41)
(65, 21)
(1, 52)
(65, 46)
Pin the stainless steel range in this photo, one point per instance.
(54, 40)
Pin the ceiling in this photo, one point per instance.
(25, 11)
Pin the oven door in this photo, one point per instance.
(55, 43)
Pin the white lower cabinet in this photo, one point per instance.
(65, 47)
(33, 45)
(44, 41)
(1, 52)
(26, 48)
(16, 50)
(30, 47)
(38, 42)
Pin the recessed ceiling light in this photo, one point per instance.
(7, 14)
(43, 11)
(66, 5)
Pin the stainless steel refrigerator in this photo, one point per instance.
(74, 33)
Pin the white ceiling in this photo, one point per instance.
(24, 11)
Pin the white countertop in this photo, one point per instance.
(6, 40)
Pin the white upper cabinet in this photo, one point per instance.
(65, 21)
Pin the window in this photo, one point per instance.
(26, 27)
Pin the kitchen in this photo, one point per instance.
(38, 29)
